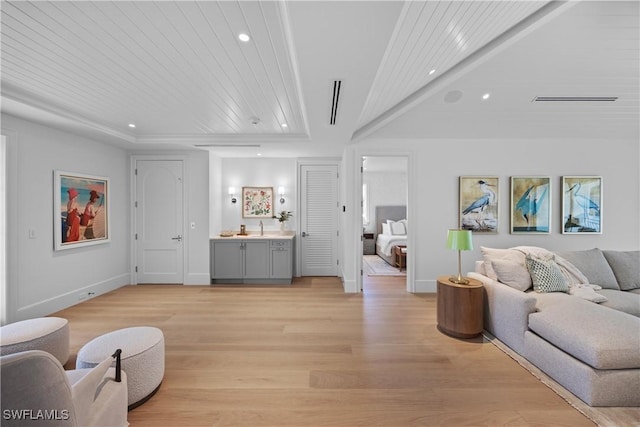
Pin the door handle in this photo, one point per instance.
(304, 234)
(179, 238)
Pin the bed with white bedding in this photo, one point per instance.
(391, 230)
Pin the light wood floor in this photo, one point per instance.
(311, 355)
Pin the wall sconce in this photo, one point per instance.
(232, 193)
(281, 192)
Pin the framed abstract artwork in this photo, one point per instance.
(257, 202)
(80, 211)
(582, 205)
(478, 206)
(530, 204)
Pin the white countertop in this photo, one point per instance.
(268, 235)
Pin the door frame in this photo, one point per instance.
(298, 246)
(410, 267)
(185, 195)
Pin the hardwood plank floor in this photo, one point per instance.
(311, 355)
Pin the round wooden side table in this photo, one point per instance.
(460, 308)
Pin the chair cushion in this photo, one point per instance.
(84, 385)
(35, 380)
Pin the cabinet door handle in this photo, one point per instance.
(178, 238)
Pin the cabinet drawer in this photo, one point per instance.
(281, 243)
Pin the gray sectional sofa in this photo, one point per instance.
(591, 348)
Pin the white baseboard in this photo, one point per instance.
(350, 286)
(425, 286)
(60, 302)
(198, 279)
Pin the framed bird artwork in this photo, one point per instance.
(581, 205)
(478, 206)
(530, 204)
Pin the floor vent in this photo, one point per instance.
(575, 98)
(334, 103)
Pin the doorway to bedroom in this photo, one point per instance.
(384, 221)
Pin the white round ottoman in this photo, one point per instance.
(142, 359)
(50, 334)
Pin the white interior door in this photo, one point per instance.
(159, 221)
(319, 220)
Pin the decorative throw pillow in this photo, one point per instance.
(512, 274)
(491, 254)
(546, 275)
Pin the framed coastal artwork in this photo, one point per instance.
(478, 206)
(80, 211)
(530, 204)
(257, 202)
(581, 205)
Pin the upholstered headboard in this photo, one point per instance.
(394, 213)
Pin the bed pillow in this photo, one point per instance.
(397, 228)
(406, 225)
(546, 275)
(386, 229)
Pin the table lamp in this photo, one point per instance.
(459, 240)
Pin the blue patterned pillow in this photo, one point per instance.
(546, 275)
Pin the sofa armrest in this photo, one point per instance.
(506, 312)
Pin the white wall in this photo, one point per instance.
(198, 204)
(247, 172)
(433, 194)
(42, 281)
(385, 189)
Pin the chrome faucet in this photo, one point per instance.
(261, 228)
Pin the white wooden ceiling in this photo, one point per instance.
(178, 71)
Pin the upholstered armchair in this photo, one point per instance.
(37, 391)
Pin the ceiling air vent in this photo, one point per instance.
(334, 102)
(574, 98)
(228, 145)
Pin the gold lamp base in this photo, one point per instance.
(459, 280)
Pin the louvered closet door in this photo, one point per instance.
(319, 220)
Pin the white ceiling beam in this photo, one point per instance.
(531, 23)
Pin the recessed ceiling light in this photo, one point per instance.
(432, 71)
(132, 125)
(486, 96)
(259, 154)
(244, 37)
(284, 125)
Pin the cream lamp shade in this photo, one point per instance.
(459, 240)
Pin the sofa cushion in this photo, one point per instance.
(592, 264)
(512, 274)
(628, 302)
(626, 268)
(546, 275)
(599, 336)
